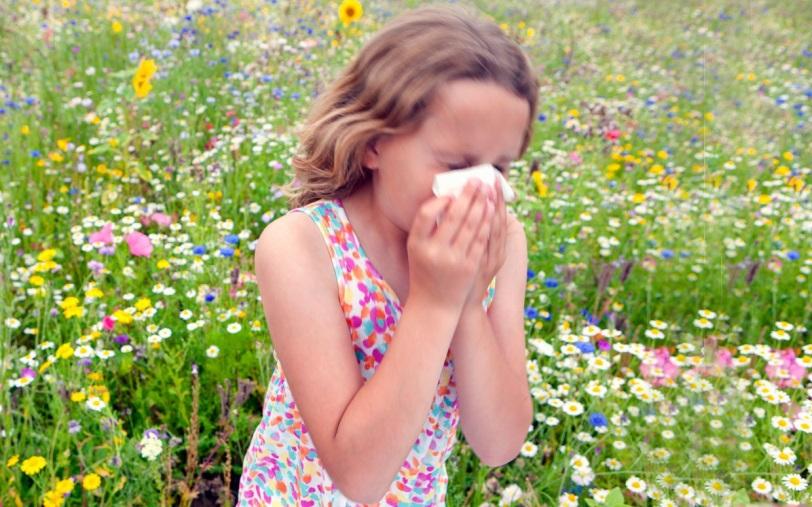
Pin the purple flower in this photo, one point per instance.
(74, 426)
(152, 433)
(122, 339)
(28, 372)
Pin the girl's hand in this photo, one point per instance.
(444, 258)
(494, 255)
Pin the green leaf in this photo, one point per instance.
(740, 498)
(615, 498)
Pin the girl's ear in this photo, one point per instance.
(371, 155)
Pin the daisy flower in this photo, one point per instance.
(761, 486)
(635, 484)
(213, 351)
(794, 482)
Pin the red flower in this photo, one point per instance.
(612, 135)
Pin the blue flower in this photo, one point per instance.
(598, 419)
(585, 347)
(530, 274)
(667, 254)
(542, 118)
(551, 283)
(199, 250)
(793, 255)
(232, 239)
(227, 251)
(209, 297)
(35, 153)
(530, 312)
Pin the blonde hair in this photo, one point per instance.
(387, 87)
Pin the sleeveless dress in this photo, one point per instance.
(281, 466)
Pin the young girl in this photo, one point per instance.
(380, 297)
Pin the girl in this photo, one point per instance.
(385, 318)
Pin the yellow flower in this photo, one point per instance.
(65, 351)
(662, 154)
(163, 264)
(53, 498)
(656, 169)
(143, 303)
(36, 280)
(63, 144)
(709, 116)
(64, 486)
(91, 482)
(94, 376)
(69, 302)
(788, 156)
(33, 465)
(45, 365)
(122, 317)
(142, 87)
(77, 396)
(24, 130)
(74, 311)
(12, 461)
(46, 255)
(538, 179)
(637, 198)
(764, 199)
(141, 80)
(349, 11)
(530, 33)
(751, 184)
(94, 292)
(117, 27)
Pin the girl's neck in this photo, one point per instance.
(376, 232)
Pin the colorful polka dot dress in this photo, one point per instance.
(281, 466)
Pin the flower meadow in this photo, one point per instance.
(665, 197)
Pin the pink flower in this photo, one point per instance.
(724, 358)
(139, 244)
(161, 219)
(108, 323)
(575, 157)
(105, 235)
(792, 374)
(612, 135)
(670, 370)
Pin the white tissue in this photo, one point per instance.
(453, 182)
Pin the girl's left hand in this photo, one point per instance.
(494, 256)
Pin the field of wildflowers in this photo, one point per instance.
(666, 199)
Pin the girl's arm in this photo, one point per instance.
(489, 356)
(362, 431)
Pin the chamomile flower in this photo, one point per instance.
(95, 403)
(213, 351)
(636, 484)
(794, 482)
(761, 486)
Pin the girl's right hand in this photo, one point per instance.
(444, 259)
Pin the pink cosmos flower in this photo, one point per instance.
(105, 235)
(108, 323)
(139, 244)
(612, 135)
(669, 369)
(793, 373)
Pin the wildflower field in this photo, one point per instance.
(666, 200)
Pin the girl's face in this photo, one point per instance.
(468, 123)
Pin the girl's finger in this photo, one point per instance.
(428, 214)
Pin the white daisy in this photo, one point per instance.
(655, 334)
(781, 423)
(794, 482)
(529, 449)
(784, 457)
(786, 326)
(635, 484)
(703, 323)
(213, 351)
(707, 314)
(573, 408)
(761, 486)
(234, 327)
(781, 335)
(658, 324)
(95, 403)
